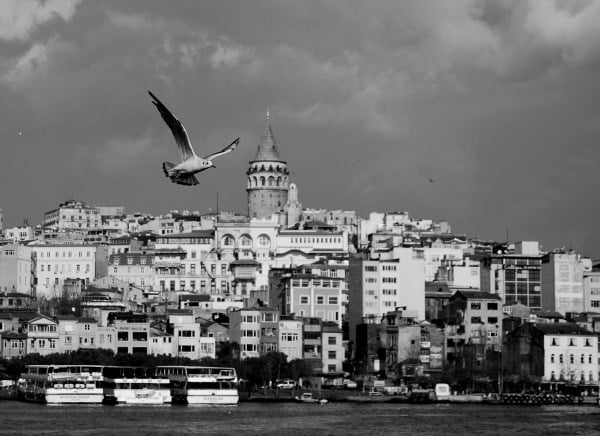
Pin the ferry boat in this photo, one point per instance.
(201, 384)
(134, 385)
(61, 384)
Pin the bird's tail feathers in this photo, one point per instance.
(188, 180)
(167, 169)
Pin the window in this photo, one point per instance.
(475, 320)
(304, 299)
(492, 306)
(560, 358)
(552, 358)
(320, 299)
(475, 306)
(187, 348)
(331, 354)
(187, 333)
(572, 358)
(492, 320)
(122, 336)
(333, 300)
(331, 340)
(331, 368)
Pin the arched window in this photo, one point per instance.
(255, 181)
(245, 241)
(271, 181)
(264, 240)
(279, 181)
(228, 241)
(262, 180)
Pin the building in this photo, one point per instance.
(186, 333)
(552, 352)
(268, 178)
(19, 234)
(132, 332)
(379, 286)
(54, 263)
(42, 335)
(17, 269)
(314, 290)
(135, 268)
(187, 262)
(312, 343)
(333, 348)
(515, 276)
(244, 328)
(290, 338)
(562, 278)
(72, 215)
(474, 318)
(591, 290)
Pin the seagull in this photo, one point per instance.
(183, 173)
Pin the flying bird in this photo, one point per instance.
(183, 173)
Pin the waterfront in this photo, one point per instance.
(280, 418)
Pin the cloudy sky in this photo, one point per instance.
(498, 102)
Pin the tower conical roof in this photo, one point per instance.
(267, 149)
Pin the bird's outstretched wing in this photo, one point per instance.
(181, 137)
(226, 150)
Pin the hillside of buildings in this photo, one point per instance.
(387, 296)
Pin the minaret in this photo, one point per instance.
(267, 178)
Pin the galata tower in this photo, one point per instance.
(267, 178)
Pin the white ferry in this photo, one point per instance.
(61, 384)
(134, 385)
(201, 384)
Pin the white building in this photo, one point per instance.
(569, 356)
(379, 286)
(562, 282)
(16, 269)
(55, 263)
(73, 215)
(290, 338)
(135, 268)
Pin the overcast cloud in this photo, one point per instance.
(497, 101)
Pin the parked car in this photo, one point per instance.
(349, 384)
(286, 384)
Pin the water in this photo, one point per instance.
(298, 419)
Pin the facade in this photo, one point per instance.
(552, 352)
(268, 178)
(19, 234)
(55, 263)
(591, 290)
(315, 290)
(135, 268)
(290, 338)
(244, 328)
(187, 262)
(132, 332)
(42, 335)
(186, 333)
(562, 276)
(516, 277)
(474, 318)
(379, 286)
(73, 215)
(16, 269)
(312, 343)
(333, 348)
